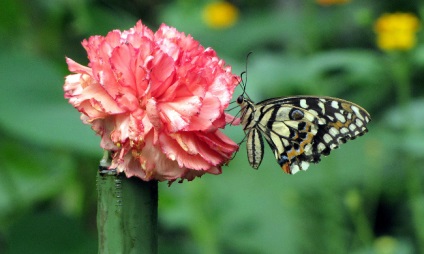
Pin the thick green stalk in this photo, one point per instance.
(402, 74)
(126, 214)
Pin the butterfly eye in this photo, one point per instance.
(240, 99)
(296, 114)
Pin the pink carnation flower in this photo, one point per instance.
(157, 100)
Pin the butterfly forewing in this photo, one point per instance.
(300, 129)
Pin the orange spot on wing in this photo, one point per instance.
(340, 125)
(286, 168)
(292, 153)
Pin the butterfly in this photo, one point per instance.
(299, 129)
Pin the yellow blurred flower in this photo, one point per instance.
(220, 14)
(396, 31)
(330, 2)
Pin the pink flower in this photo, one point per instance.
(157, 100)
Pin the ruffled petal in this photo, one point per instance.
(157, 101)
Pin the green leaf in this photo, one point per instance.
(405, 125)
(50, 232)
(32, 105)
(29, 175)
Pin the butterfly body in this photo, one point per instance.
(299, 129)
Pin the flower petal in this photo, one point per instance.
(157, 100)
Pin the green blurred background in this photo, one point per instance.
(366, 197)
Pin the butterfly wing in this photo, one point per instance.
(300, 129)
(255, 147)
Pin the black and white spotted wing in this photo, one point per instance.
(299, 129)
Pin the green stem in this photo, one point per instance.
(365, 233)
(127, 214)
(358, 214)
(401, 73)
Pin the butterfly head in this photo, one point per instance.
(247, 107)
(240, 99)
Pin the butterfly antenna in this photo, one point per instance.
(242, 83)
(245, 73)
(243, 87)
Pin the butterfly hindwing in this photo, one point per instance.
(255, 147)
(300, 129)
(290, 133)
